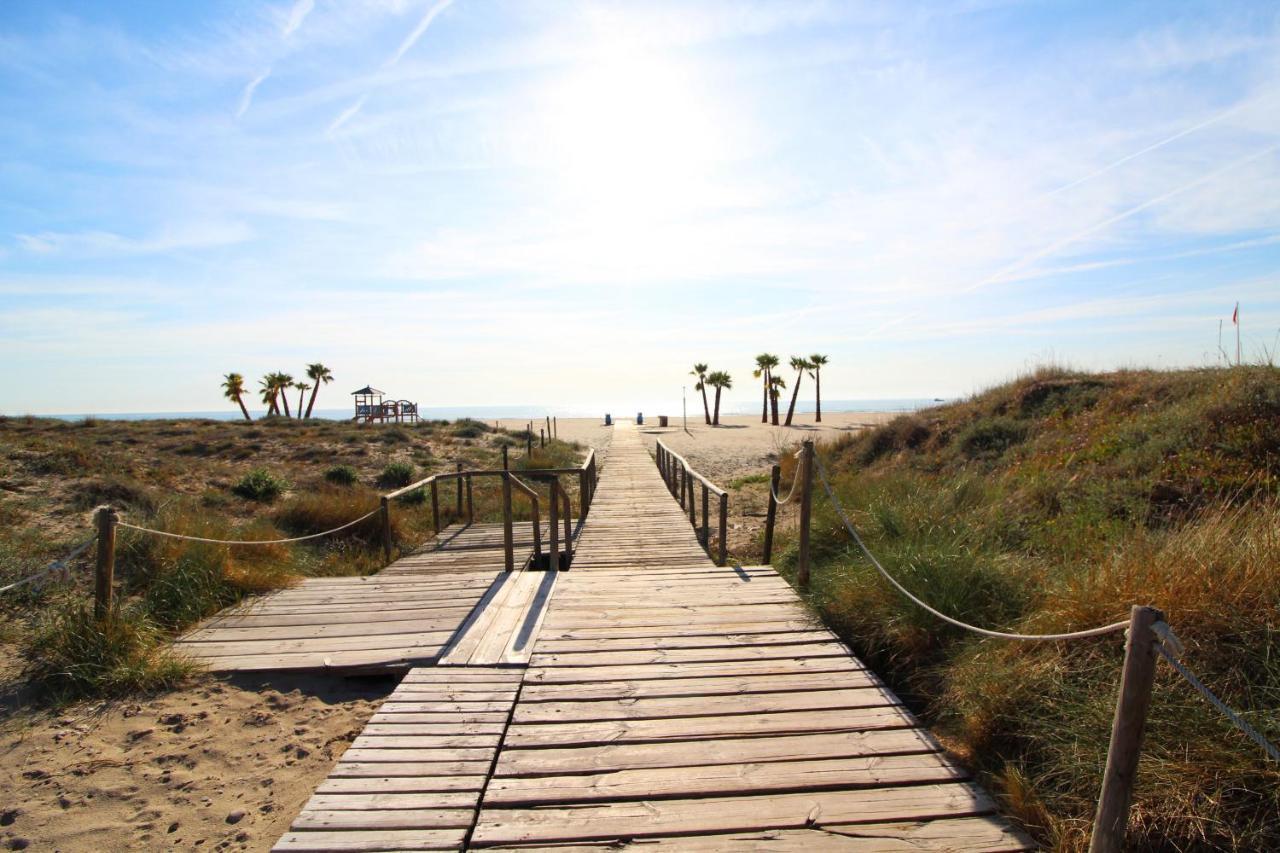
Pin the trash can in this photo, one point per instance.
(608, 420)
(662, 420)
(639, 418)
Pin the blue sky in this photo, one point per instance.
(568, 203)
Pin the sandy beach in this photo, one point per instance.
(739, 445)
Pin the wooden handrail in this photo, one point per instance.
(509, 481)
(679, 476)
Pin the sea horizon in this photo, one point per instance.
(505, 412)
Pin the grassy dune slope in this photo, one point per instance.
(217, 479)
(1053, 503)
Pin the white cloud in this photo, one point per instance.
(346, 115)
(297, 14)
(246, 97)
(418, 31)
(204, 235)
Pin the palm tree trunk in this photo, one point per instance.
(240, 400)
(764, 408)
(795, 392)
(284, 395)
(314, 391)
(773, 401)
(706, 412)
(301, 394)
(817, 382)
(716, 422)
(274, 408)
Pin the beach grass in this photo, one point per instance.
(1052, 504)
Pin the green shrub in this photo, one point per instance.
(396, 475)
(341, 475)
(117, 491)
(260, 485)
(991, 437)
(74, 654)
(468, 428)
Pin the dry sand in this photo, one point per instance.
(740, 445)
(223, 764)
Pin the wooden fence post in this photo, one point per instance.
(724, 528)
(457, 512)
(706, 529)
(385, 517)
(771, 517)
(505, 465)
(528, 441)
(555, 428)
(1126, 732)
(553, 563)
(105, 570)
(542, 438)
(435, 507)
(508, 535)
(693, 503)
(471, 505)
(583, 498)
(806, 510)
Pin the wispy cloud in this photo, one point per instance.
(246, 97)
(297, 14)
(97, 243)
(346, 115)
(418, 31)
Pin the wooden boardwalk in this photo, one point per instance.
(667, 703)
(403, 616)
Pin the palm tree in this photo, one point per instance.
(233, 389)
(817, 361)
(320, 375)
(776, 384)
(302, 387)
(270, 391)
(718, 380)
(283, 382)
(799, 365)
(765, 363)
(700, 371)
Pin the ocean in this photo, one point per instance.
(490, 413)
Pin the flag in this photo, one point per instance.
(1235, 315)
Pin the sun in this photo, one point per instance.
(633, 138)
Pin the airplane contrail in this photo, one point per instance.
(1058, 245)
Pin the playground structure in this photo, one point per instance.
(372, 408)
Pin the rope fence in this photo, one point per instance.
(59, 565)
(185, 537)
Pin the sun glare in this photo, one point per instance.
(634, 140)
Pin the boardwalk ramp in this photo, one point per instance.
(666, 703)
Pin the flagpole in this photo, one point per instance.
(1237, 334)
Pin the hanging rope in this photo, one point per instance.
(795, 478)
(55, 566)
(1171, 649)
(1002, 635)
(187, 538)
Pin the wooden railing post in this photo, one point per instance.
(806, 510)
(553, 518)
(385, 518)
(693, 503)
(508, 535)
(724, 528)
(435, 507)
(771, 517)
(505, 466)
(105, 569)
(583, 498)
(542, 437)
(706, 530)
(471, 505)
(1126, 732)
(457, 513)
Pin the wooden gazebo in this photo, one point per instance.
(372, 408)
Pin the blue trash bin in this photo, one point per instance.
(639, 418)
(608, 420)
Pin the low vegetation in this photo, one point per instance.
(270, 479)
(1051, 504)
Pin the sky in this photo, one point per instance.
(569, 203)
